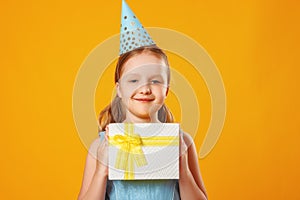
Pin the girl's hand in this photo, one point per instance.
(102, 154)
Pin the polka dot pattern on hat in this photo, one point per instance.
(133, 35)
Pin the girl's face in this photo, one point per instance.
(143, 87)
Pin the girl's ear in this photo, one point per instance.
(118, 90)
(167, 91)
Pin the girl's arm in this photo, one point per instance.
(95, 172)
(190, 183)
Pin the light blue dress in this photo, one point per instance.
(142, 190)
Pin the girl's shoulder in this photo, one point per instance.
(93, 147)
(95, 144)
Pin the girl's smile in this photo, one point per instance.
(144, 99)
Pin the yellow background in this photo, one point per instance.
(255, 45)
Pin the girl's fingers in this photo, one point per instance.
(183, 147)
(106, 132)
(106, 137)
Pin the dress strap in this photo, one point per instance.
(101, 135)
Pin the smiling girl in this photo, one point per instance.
(142, 77)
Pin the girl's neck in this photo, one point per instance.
(135, 119)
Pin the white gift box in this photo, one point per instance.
(143, 151)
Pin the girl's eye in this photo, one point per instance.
(155, 82)
(133, 81)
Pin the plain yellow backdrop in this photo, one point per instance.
(255, 45)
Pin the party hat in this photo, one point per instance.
(133, 35)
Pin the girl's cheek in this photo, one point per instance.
(130, 90)
(129, 93)
(160, 88)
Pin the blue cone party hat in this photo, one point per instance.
(133, 35)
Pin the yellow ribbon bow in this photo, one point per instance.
(130, 149)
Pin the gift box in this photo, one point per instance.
(143, 151)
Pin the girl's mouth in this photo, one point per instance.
(143, 99)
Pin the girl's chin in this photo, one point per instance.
(142, 116)
(146, 108)
(143, 112)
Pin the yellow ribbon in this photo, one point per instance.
(130, 148)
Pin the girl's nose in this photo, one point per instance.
(145, 89)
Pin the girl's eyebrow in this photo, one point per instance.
(131, 74)
(156, 75)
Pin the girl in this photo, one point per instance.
(142, 79)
